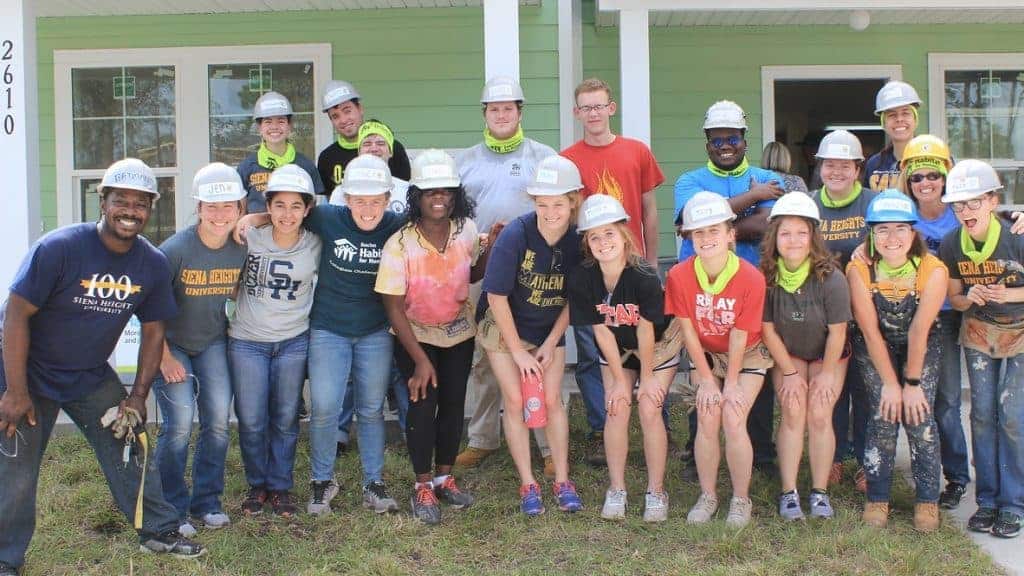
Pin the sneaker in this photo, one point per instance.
(530, 502)
(322, 492)
(704, 510)
(860, 481)
(254, 501)
(568, 499)
(595, 449)
(171, 543)
(789, 506)
(876, 514)
(614, 505)
(425, 507)
(926, 517)
(656, 507)
(835, 475)
(471, 457)
(376, 498)
(281, 503)
(950, 497)
(450, 494)
(187, 530)
(739, 512)
(549, 468)
(1007, 525)
(982, 520)
(215, 520)
(820, 505)
(7, 570)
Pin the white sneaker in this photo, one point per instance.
(187, 530)
(739, 512)
(320, 499)
(215, 520)
(704, 510)
(656, 507)
(614, 505)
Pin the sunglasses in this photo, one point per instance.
(718, 141)
(931, 177)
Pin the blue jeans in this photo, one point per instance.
(400, 387)
(952, 442)
(332, 358)
(209, 394)
(997, 414)
(851, 408)
(267, 381)
(20, 473)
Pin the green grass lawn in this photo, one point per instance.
(81, 532)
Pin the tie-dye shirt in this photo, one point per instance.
(435, 284)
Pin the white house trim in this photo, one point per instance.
(501, 38)
(789, 5)
(570, 69)
(635, 70)
(769, 74)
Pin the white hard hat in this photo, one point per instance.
(895, 94)
(338, 92)
(840, 145)
(217, 182)
(706, 209)
(969, 179)
(502, 89)
(290, 178)
(725, 114)
(795, 204)
(271, 104)
(434, 168)
(366, 175)
(598, 210)
(555, 175)
(131, 174)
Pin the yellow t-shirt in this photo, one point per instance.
(896, 290)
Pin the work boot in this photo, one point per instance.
(876, 514)
(926, 517)
(472, 456)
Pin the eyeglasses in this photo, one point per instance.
(931, 177)
(732, 140)
(972, 204)
(593, 108)
(897, 231)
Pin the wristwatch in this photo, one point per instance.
(912, 381)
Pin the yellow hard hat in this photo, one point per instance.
(926, 146)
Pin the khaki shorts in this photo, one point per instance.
(666, 350)
(489, 337)
(756, 360)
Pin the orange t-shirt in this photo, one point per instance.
(625, 170)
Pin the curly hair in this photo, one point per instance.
(823, 262)
(463, 207)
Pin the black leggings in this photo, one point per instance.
(433, 425)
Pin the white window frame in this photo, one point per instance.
(941, 62)
(771, 74)
(191, 99)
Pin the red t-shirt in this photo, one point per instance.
(740, 304)
(625, 170)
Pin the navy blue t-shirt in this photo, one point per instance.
(344, 302)
(86, 294)
(532, 274)
(255, 177)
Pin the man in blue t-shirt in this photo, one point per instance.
(72, 296)
(751, 192)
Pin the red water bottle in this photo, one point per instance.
(535, 413)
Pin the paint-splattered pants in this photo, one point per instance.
(997, 414)
(880, 444)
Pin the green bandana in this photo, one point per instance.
(347, 144)
(380, 129)
(906, 271)
(790, 281)
(991, 240)
(926, 162)
(737, 171)
(732, 265)
(270, 161)
(503, 146)
(830, 203)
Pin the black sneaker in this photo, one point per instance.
(253, 503)
(425, 507)
(982, 520)
(950, 497)
(450, 493)
(1008, 524)
(595, 449)
(376, 498)
(170, 543)
(7, 570)
(342, 449)
(281, 503)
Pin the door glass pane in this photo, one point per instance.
(234, 89)
(984, 112)
(161, 220)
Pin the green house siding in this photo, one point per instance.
(419, 69)
(693, 67)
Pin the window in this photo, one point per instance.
(177, 109)
(981, 113)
